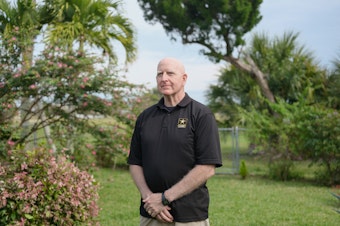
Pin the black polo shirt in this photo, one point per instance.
(168, 144)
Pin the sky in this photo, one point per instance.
(316, 21)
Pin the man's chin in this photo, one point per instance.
(166, 92)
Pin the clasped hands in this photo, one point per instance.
(153, 205)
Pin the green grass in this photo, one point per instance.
(254, 201)
(119, 198)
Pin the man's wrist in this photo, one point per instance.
(165, 201)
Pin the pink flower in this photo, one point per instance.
(24, 166)
(85, 79)
(27, 209)
(94, 153)
(33, 86)
(107, 103)
(10, 142)
(22, 222)
(85, 104)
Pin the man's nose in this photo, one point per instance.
(164, 76)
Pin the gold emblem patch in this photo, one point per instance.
(182, 123)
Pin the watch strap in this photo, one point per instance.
(165, 202)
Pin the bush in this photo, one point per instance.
(283, 170)
(243, 170)
(40, 189)
(111, 146)
(319, 140)
(298, 131)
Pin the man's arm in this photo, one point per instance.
(137, 174)
(195, 178)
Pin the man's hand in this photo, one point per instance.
(153, 205)
(165, 216)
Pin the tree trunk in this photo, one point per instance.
(254, 71)
(27, 56)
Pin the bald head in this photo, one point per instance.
(173, 63)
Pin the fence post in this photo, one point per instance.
(235, 151)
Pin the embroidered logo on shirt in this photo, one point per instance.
(182, 123)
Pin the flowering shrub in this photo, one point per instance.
(64, 92)
(38, 188)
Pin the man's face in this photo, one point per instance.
(171, 77)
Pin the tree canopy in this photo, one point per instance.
(218, 26)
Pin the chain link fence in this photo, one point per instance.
(233, 142)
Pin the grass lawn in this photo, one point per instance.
(254, 201)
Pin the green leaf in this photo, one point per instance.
(28, 216)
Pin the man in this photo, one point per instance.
(174, 150)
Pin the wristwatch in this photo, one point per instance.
(165, 202)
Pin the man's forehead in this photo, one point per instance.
(175, 70)
(166, 70)
(170, 64)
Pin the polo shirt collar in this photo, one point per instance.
(184, 102)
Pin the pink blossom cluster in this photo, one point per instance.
(45, 190)
(6, 105)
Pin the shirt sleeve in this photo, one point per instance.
(207, 141)
(135, 155)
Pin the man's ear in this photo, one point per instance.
(185, 77)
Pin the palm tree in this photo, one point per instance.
(92, 22)
(23, 18)
(291, 72)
